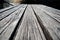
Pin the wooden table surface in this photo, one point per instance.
(30, 22)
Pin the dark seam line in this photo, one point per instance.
(45, 31)
(17, 26)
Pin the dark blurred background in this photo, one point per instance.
(51, 3)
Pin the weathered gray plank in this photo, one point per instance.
(29, 28)
(50, 24)
(49, 9)
(8, 19)
(54, 13)
(10, 28)
(5, 9)
(7, 13)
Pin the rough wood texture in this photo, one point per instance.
(8, 29)
(32, 22)
(29, 29)
(50, 23)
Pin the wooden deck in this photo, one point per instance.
(29, 22)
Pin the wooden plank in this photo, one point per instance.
(5, 9)
(49, 9)
(29, 28)
(8, 20)
(54, 13)
(54, 16)
(7, 13)
(50, 24)
(10, 28)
